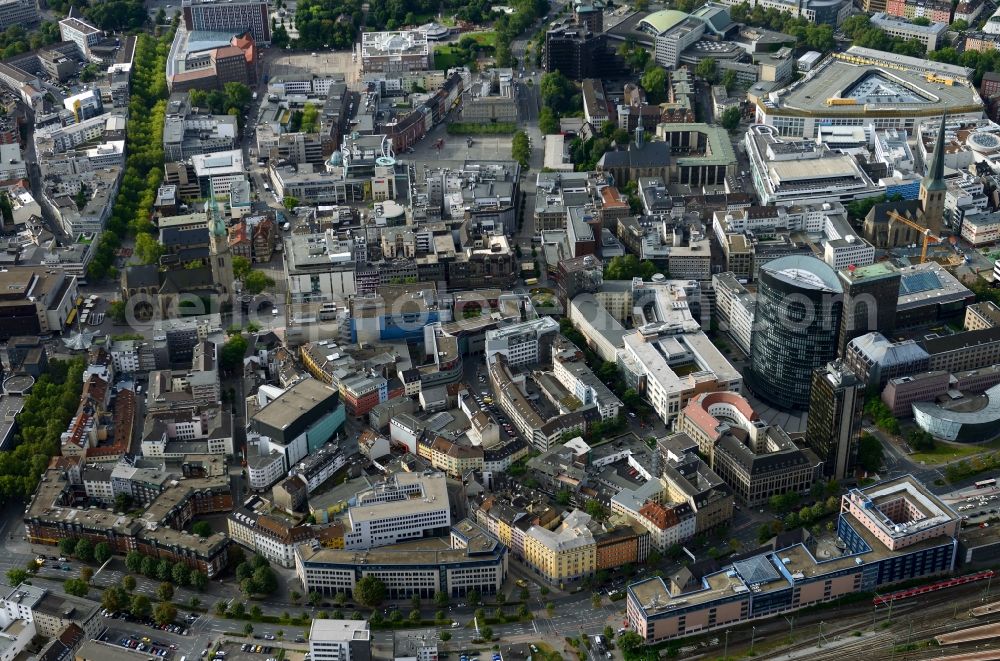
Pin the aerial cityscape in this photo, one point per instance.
(556, 330)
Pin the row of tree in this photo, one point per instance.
(161, 569)
(47, 410)
(144, 165)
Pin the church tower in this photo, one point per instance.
(933, 188)
(222, 259)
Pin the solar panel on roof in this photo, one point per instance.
(919, 282)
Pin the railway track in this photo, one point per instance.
(913, 620)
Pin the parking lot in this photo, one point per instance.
(261, 649)
(290, 65)
(491, 407)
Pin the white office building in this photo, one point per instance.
(340, 640)
(404, 506)
(522, 344)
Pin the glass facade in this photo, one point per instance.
(795, 329)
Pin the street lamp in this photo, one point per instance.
(753, 636)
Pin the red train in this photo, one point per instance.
(933, 587)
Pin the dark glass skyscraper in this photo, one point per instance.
(796, 324)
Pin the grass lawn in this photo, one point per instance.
(945, 452)
(445, 58)
(483, 38)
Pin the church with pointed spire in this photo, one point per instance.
(882, 231)
(220, 255)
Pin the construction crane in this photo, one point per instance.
(928, 237)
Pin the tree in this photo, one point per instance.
(441, 598)
(487, 633)
(86, 573)
(728, 79)
(375, 618)
(198, 580)
(194, 602)
(202, 529)
(414, 615)
(256, 613)
(248, 587)
(922, 21)
(266, 580)
(520, 149)
(140, 606)
(241, 267)
(563, 497)
(730, 119)
(558, 92)
(76, 587)
(595, 509)
(290, 202)
(232, 352)
(257, 281)
(244, 570)
(16, 576)
(102, 552)
(440, 615)
(960, 25)
(548, 121)
(116, 310)
(315, 598)
(920, 440)
(595, 600)
(654, 81)
(84, 550)
(396, 616)
(524, 594)
(220, 608)
(369, 591)
(869, 453)
(165, 591)
(114, 599)
(707, 69)
(237, 610)
(181, 574)
(340, 598)
(128, 582)
(247, 629)
(629, 641)
(479, 614)
(165, 613)
(474, 597)
(163, 570)
(133, 561)
(445, 636)
(550, 608)
(237, 95)
(67, 545)
(148, 249)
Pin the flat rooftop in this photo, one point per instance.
(863, 89)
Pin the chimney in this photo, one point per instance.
(638, 135)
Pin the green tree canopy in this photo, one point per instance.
(370, 591)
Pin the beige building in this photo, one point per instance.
(566, 553)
